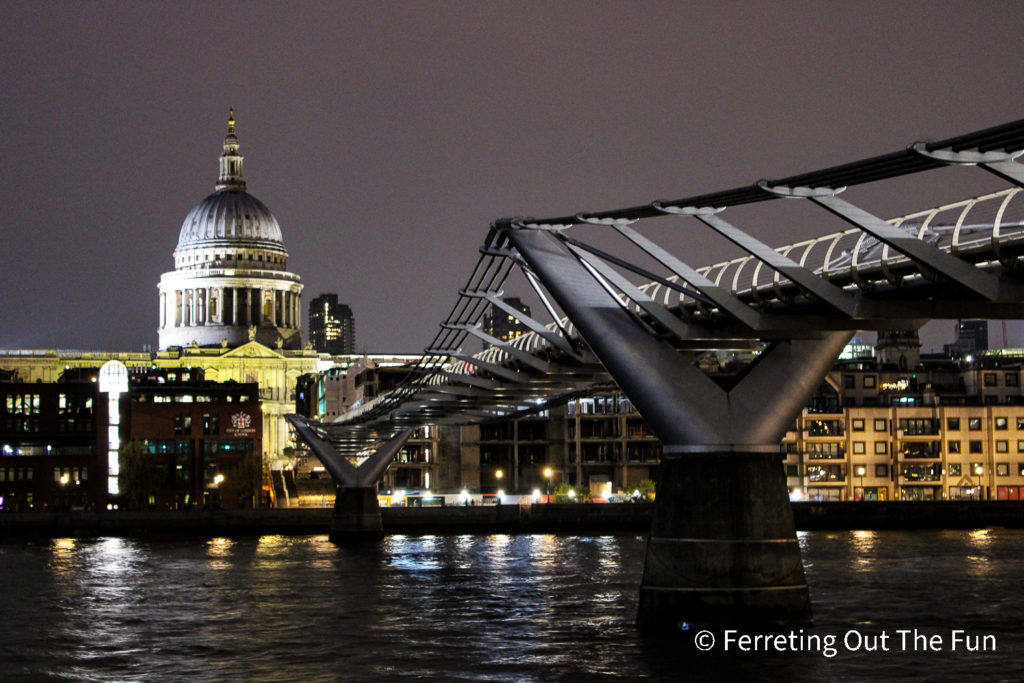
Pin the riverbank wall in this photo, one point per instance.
(544, 518)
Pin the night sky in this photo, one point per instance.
(385, 137)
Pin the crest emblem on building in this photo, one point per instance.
(241, 420)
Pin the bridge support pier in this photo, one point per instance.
(356, 511)
(723, 548)
(356, 515)
(723, 543)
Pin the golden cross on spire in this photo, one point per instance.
(231, 121)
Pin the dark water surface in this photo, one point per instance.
(498, 607)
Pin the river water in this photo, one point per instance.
(489, 607)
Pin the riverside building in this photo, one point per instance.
(163, 439)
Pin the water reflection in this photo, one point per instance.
(219, 552)
(863, 543)
(979, 542)
(469, 607)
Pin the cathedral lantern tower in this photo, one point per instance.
(230, 283)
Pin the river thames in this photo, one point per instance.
(489, 607)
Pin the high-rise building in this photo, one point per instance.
(230, 283)
(332, 327)
(501, 323)
(971, 339)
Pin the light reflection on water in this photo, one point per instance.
(466, 607)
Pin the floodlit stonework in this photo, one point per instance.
(230, 283)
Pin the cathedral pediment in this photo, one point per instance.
(253, 349)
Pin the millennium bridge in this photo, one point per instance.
(623, 310)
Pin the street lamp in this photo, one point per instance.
(978, 470)
(547, 482)
(860, 473)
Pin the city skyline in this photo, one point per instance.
(386, 137)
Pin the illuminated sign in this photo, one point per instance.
(902, 384)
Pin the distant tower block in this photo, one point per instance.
(332, 327)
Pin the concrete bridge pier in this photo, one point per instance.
(356, 510)
(723, 548)
(356, 515)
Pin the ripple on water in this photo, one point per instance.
(468, 607)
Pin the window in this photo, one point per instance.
(826, 451)
(1002, 469)
(953, 447)
(1020, 469)
(849, 381)
(869, 381)
(825, 428)
(826, 473)
(975, 447)
(1020, 423)
(881, 470)
(920, 449)
(917, 426)
(881, 424)
(1012, 379)
(792, 471)
(211, 424)
(881, 448)
(182, 424)
(953, 424)
(1020, 445)
(955, 469)
(974, 423)
(1001, 423)
(990, 379)
(858, 424)
(1002, 446)
(858, 448)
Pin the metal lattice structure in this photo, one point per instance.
(959, 260)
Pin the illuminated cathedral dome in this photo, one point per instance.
(230, 225)
(230, 283)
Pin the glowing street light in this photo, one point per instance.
(547, 482)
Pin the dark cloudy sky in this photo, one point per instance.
(385, 136)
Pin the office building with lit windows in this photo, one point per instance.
(332, 327)
(501, 323)
(170, 440)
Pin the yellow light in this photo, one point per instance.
(548, 472)
(218, 479)
(498, 474)
(63, 479)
